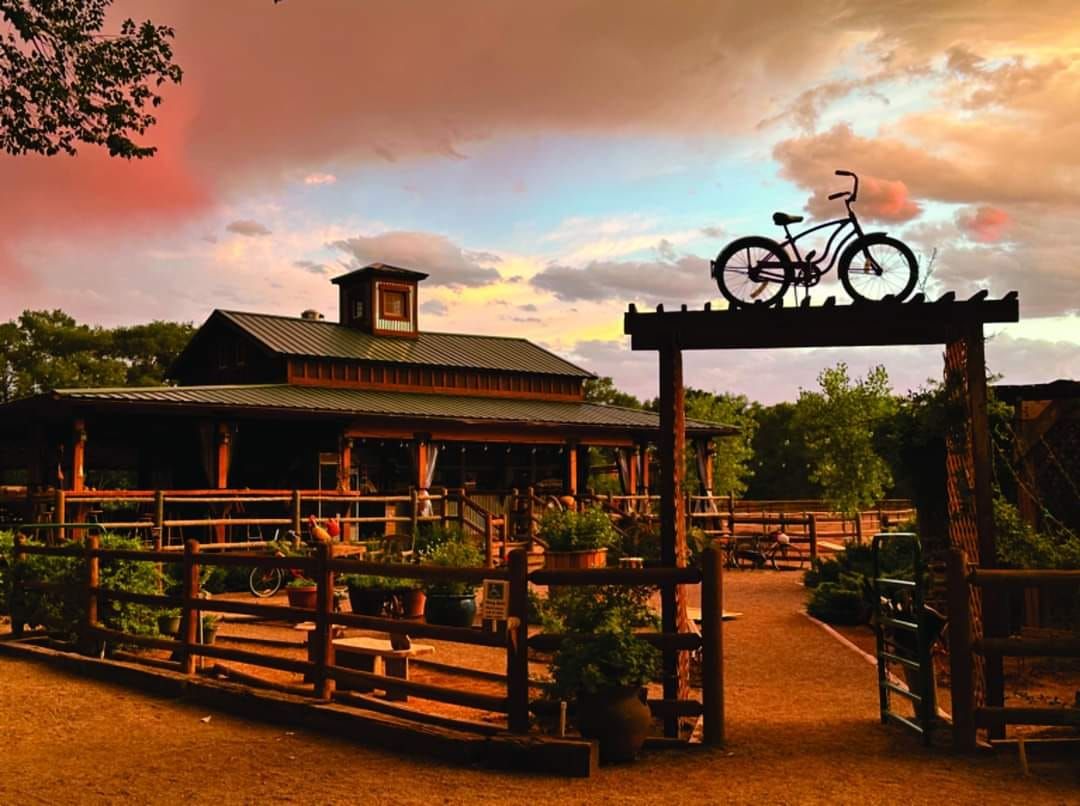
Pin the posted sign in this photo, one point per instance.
(496, 599)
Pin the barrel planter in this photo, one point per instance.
(304, 597)
(585, 558)
(450, 610)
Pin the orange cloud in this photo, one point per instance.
(985, 224)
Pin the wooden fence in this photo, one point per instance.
(964, 645)
(321, 669)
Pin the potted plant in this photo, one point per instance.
(368, 594)
(577, 539)
(209, 628)
(302, 592)
(452, 602)
(602, 666)
(169, 622)
(409, 598)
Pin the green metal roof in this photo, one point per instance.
(308, 337)
(390, 404)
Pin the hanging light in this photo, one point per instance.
(508, 449)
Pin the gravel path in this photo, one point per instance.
(802, 728)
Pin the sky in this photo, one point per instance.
(550, 163)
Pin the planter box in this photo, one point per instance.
(588, 558)
(306, 598)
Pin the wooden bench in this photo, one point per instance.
(377, 656)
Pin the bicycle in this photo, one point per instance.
(872, 266)
(776, 549)
(265, 582)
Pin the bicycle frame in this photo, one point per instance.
(806, 277)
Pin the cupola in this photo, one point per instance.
(380, 300)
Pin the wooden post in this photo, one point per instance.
(93, 579)
(323, 635)
(531, 509)
(345, 446)
(159, 519)
(78, 458)
(712, 645)
(672, 516)
(461, 510)
(189, 624)
(858, 528)
(731, 513)
(489, 541)
(59, 514)
(297, 515)
(632, 462)
(960, 657)
(16, 585)
(414, 512)
(645, 471)
(517, 637)
(570, 469)
(995, 601)
(811, 525)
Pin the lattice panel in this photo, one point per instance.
(960, 464)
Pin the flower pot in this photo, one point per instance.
(368, 601)
(306, 598)
(168, 625)
(618, 718)
(450, 610)
(412, 602)
(586, 558)
(208, 635)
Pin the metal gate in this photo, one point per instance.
(905, 630)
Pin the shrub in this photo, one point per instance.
(431, 535)
(453, 554)
(566, 530)
(600, 649)
(842, 588)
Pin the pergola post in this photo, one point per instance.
(570, 469)
(643, 482)
(224, 449)
(344, 474)
(78, 458)
(676, 675)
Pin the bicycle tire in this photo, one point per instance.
(734, 278)
(264, 583)
(749, 556)
(867, 286)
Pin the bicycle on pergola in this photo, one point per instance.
(871, 266)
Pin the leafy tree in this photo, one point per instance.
(732, 456)
(603, 390)
(49, 350)
(63, 81)
(839, 424)
(779, 457)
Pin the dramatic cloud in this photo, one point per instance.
(248, 228)
(434, 307)
(685, 279)
(985, 225)
(447, 263)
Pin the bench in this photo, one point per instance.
(377, 656)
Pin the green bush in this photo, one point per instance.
(567, 530)
(841, 588)
(837, 603)
(453, 554)
(601, 649)
(433, 534)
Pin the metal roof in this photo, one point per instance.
(381, 269)
(293, 336)
(391, 404)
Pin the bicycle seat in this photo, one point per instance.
(783, 219)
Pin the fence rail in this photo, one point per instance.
(321, 668)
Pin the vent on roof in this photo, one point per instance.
(312, 314)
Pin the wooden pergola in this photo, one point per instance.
(956, 324)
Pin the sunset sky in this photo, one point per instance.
(549, 163)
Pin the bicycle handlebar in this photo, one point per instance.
(855, 188)
(840, 195)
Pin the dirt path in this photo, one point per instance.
(802, 726)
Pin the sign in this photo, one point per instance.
(496, 599)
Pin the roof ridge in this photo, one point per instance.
(163, 387)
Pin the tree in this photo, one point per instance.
(63, 81)
(839, 424)
(603, 390)
(780, 462)
(731, 459)
(44, 350)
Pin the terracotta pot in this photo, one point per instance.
(208, 635)
(450, 610)
(368, 601)
(306, 598)
(412, 601)
(618, 718)
(168, 625)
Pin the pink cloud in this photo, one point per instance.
(985, 225)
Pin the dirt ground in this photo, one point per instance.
(801, 721)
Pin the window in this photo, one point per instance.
(358, 309)
(394, 304)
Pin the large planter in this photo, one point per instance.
(586, 558)
(306, 598)
(368, 601)
(618, 718)
(412, 602)
(450, 610)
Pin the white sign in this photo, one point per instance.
(496, 599)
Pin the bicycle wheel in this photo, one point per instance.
(877, 266)
(265, 582)
(748, 554)
(787, 557)
(753, 270)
